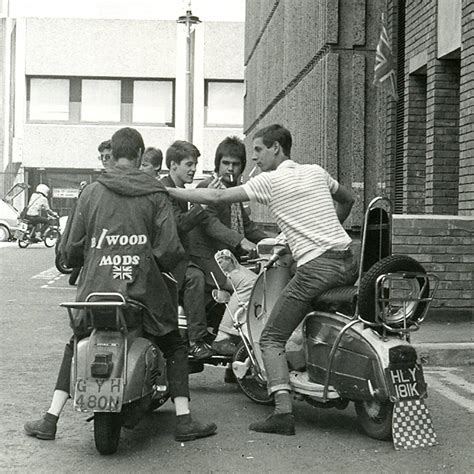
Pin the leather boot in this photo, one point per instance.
(283, 424)
(45, 428)
(187, 429)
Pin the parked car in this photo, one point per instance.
(9, 213)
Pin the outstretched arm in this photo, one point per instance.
(210, 196)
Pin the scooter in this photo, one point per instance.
(355, 344)
(25, 234)
(117, 374)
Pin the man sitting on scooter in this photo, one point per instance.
(181, 160)
(37, 206)
(309, 207)
(228, 226)
(124, 235)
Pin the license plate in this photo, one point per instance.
(96, 394)
(23, 227)
(407, 383)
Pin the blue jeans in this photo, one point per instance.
(331, 269)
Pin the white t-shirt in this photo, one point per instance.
(299, 197)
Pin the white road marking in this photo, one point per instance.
(438, 379)
(47, 274)
(46, 287)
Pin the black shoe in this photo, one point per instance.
(187, 429)
(229, 376)
(224, 347)
(201, 350)
(283, 424)
(45, 428)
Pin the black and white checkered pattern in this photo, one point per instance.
(412, 426)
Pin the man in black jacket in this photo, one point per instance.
(124, 235)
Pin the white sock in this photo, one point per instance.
(57, 403)
(181, 405)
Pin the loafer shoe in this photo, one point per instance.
(201, 350)
(283, 424)
(224, 347)
(188, 429)
(45, 428)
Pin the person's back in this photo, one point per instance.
(123, 221)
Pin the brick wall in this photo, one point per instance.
(466, 125)
(443, 245)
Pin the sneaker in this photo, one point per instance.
(224, 347)
(200, 350)
(281, 423)
(187, 429)
(45, 428)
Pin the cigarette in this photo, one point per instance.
(253, 171)
(231, 178)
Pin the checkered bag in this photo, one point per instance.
(412, 426)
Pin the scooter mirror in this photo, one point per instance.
(221, 296)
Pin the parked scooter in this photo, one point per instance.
(117, 374)
(355, 345)
(25, 234)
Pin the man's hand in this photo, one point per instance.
(247, 246)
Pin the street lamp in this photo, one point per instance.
(190, 21)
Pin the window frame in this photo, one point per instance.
(206, 103)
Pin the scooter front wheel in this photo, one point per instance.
(249, 383)
(375, 418)
(107, 427)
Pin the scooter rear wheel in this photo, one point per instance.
(375, 418)
(250, 384)
(107, 427)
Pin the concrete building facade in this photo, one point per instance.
(310, 67)
(78, 80)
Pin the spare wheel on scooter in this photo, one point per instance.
(411, 286)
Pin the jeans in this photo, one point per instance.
(331, 269)
(194, 302)
(175, 351)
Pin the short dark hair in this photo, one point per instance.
(105, 145)
(179, 150)
(127, 143)
(153, 156)
(275, 133)
(230, 146)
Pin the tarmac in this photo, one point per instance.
(445, 343)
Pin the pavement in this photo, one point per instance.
(445, 343)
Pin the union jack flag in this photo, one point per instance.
(384, 71)
(122, 272)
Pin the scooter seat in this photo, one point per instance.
(342, 299)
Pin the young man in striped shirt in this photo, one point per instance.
(309, 206)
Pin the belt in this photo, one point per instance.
(337, 253)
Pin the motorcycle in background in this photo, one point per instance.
(25, 234)
(355, 344)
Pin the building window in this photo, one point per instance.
(152, 102)
(101, 100)
(224, 103)
(49, 99)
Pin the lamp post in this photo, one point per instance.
(190, 21)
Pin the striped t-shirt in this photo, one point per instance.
(299, 197)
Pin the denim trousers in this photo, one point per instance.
(332, 269)
(175, 351)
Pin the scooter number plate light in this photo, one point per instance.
(407, 383)
(23, 227)
(96, 394)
